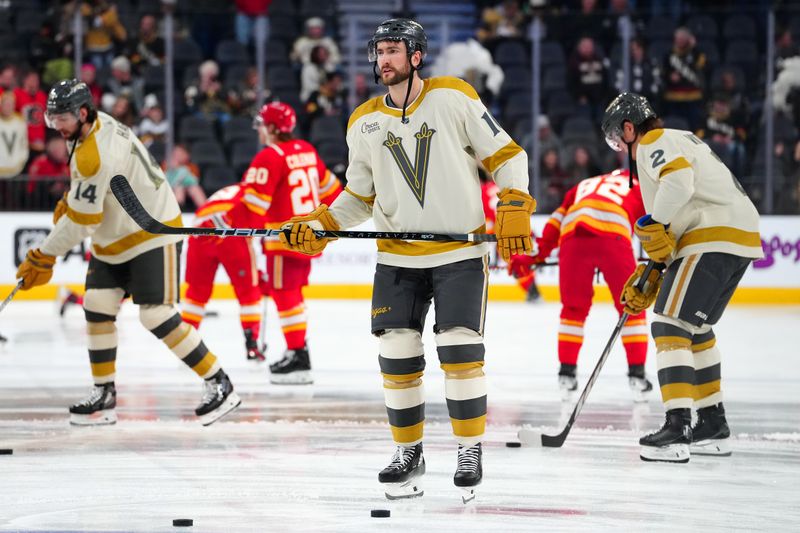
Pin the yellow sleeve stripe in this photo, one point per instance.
(134, 239)
(678, 163)
(369, 200)
(84, 219)
(325, 178)
(505, 153)
(651, 136)
(553, 222)
(720, 234)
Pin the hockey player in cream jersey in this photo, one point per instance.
(412, 168)
(703, 229)
(125, 259)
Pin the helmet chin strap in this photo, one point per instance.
(631, 165)
(74, 138)
(404, 118)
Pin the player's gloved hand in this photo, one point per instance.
(657, 239)
(61, 207)
(298, 234)
(37, 269)
(636, 301)
(513, 226)
(521, 265)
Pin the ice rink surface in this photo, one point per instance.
(306, 458)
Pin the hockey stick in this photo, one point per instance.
(131, 204)
(11, 296)
(534, 437)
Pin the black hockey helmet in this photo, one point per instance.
(399, 29)
(627, 106)
(68, 96)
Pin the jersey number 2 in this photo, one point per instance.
(305, 186)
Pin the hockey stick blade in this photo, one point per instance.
(130, 203)
(556, 441)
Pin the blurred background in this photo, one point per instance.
(188, 76)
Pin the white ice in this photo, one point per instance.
(306, 458)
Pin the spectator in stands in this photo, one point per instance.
(581, 165)
(329, 99)
(314, 36)
(182, 177)
(585, 23)
(548, 140)
(726, 136)
(243, 96)
(247, 11)
(363, 91)
(207, 97)
(123, 83)
(51, 169)
(555, 181)
(60, 65)
(154, 126)
(147, 48)
(8, 77)
(31, 102)
(684, 73)
(645, 73)
(104, 31)
(313, 72)
(122, 110)
(587, 77)
(14, 133)
(740, 105)
(89, 77)
(505, 20)
(470, 61)
(784, 49)
(610, 23)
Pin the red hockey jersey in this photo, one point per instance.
(285, 180)
(604, 205)
(489, 190)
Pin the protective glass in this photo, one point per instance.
(57, 121)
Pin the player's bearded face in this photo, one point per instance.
(65, 124)
(393, 62)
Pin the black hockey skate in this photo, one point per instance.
(219, 399)
(469, 471)
(401, 479)
(254, 353)
(293, 369)
(533, 294)
(567, 382)
(97, 409)
(639, 384)
(671, 443)
(710, 434)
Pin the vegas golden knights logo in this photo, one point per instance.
(416, 174)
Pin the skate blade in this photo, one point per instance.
(718, 447)
(467, 494)
(300, 377)
(568, 396)
(106, 417)
(673, 453)
(231, 402)
(405, 490)
(640, 396)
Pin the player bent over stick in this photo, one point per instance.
(704, 230)
(125, 259)
(410, 170)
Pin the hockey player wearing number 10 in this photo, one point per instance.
(592, 229)
(412, 168)
(703, 229)
(125, 260)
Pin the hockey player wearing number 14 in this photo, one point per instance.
(412, 168)
(703, 229)
(125, 259)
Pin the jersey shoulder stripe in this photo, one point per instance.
(651, 136)
(370, 106)
(87, 155)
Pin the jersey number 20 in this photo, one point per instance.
(304, 183)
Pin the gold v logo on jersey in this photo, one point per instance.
(416, 174)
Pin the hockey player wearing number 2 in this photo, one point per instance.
(703, 230)
(412, 168)
(592, 229)
(125, 259)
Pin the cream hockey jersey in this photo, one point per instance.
(684, 184)
(111, 148)
(422, 176)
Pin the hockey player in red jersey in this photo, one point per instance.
(593, 228)
(489, 190)
(287, 178)
(236, 256)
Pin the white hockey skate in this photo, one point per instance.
(640, 388)
(568, 385)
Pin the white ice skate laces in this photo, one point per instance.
(468, 458)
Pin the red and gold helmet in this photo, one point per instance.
(279, 114)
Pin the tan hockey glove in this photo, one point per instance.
(298, 234)
(37, 269)
(657, 240)
(513, 226)
(61, 207)
(636, 301)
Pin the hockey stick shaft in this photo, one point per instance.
(131, 204)
(11, 296)
(556, 441)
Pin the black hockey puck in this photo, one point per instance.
(513, 444)
(380, 513)
(6, 451)
(183, 522)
